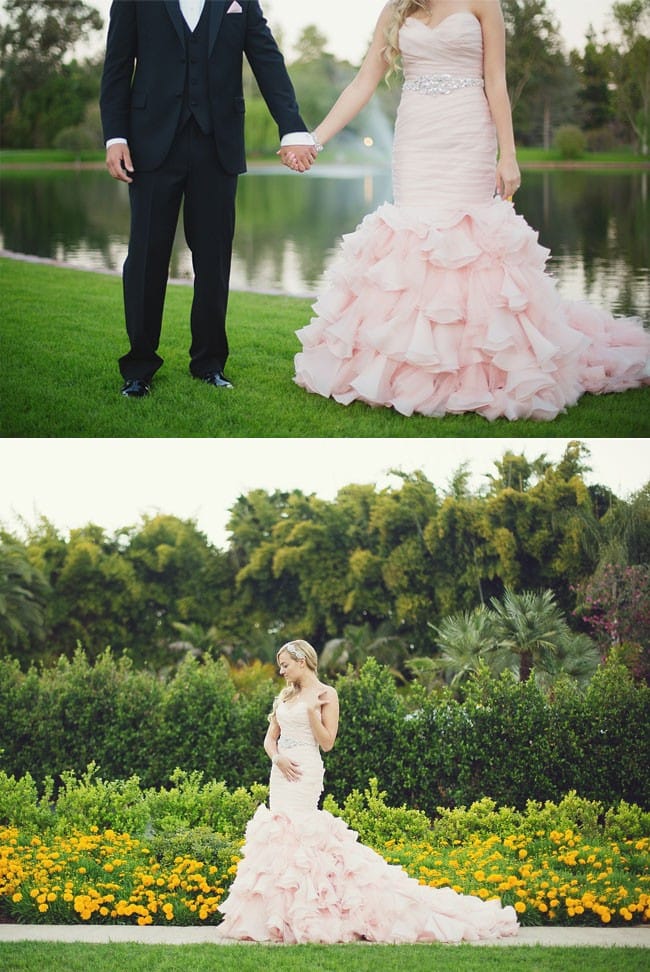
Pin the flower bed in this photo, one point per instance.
(554, 879)
(107, 878)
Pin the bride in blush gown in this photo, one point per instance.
(304, 877)
(440, 303)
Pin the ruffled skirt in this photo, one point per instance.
(308, 879)
(437, 315)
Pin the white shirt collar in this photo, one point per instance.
(192, 10)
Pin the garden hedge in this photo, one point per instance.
(505, 740)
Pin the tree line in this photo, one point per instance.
(49, 98)
(534, 570)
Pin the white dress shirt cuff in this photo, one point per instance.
(297, 138)
(115, 141)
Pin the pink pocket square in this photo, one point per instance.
(234, 7)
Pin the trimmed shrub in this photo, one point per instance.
(505, 740)
(570, 141)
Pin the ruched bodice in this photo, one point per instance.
(297, 741)
(454, 46)
(440, 302)
(295, 729)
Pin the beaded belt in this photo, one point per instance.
(286, 742)
(441, 84)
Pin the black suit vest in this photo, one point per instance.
(196, 95)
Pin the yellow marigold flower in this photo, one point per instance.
(17, 897)
(43, 907)
(520, 907)
(523, 854)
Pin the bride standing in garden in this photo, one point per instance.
(304, 877)
(440, 303)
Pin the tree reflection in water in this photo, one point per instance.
(288, 227)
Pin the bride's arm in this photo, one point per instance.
(324, 717)
(496, 90)
(271, 738)
(361, 89)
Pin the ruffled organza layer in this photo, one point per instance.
(308, 879)
(456, 314)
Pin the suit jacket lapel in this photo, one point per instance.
(174, 11)
(217, 11)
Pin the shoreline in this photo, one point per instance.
(567, 165)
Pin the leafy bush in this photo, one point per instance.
(483, 818)
(505, 739)
(571, 141)
(375, 821)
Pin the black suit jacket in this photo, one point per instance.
(145, 72)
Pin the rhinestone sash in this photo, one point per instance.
(441, 84)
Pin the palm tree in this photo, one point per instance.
(523, 633)
(467, 641)
(22, 597)
(531, 631)
(360, 642)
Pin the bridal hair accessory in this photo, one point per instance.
(294, 652)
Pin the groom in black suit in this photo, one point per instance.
(172, 109)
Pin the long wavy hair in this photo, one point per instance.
(297, 649)
(401, 10)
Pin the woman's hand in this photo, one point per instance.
(508, 177)
(316, 700)
(288, 767)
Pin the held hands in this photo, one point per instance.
(300, 158)
(508, 177)
(118, 162)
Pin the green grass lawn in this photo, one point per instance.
(62, 332)
(32, 956)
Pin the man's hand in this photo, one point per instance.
(300, 158)
(118, 162)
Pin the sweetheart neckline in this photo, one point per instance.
(458, 13)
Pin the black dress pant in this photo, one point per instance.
(191, 174)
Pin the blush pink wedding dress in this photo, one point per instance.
(440, 303)
(304, 877)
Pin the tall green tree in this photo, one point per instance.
(631, 66)
(540, 80)
(23, 593)
(594, 93)
(42, 91)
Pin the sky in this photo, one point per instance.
(114, 482)
(348, 24)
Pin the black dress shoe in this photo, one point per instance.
(136, 388)
(216, 378)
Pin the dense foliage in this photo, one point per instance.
(504, 739)
(373, 572)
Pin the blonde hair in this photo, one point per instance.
(401, 10)
(298, 649)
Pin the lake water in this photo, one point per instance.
(594, 222)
